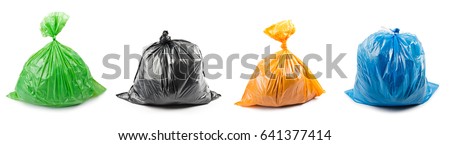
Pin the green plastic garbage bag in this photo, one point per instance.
(55, 76)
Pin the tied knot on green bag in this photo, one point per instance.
(53, 24)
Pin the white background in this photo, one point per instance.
(97, 28)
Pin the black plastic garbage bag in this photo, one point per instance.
(170, 72)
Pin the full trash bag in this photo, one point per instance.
(282, 78)
(55, 76)
(391, 71)
(170, 72)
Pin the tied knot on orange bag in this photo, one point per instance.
(281, 31)
(280, 79)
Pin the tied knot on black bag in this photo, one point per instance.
(164, 37)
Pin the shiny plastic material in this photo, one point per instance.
(55, 76)
(281, 79)
(170, 72)
(391, 71)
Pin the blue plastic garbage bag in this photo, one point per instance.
(391, 71)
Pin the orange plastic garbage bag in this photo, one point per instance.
(281, 79)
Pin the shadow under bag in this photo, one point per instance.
(170, 72)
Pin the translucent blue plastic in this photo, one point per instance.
(391, 71)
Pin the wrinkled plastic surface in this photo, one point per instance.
(282, 78)
(170, 72)
(55, 76)
(391, 71)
